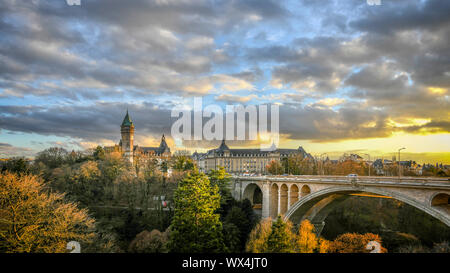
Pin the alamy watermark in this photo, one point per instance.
(73, 2)
(373, 2)
(214, 129)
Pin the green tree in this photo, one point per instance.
(195, 225)
(222, 179)
(32, 220)
(247, 208)
(281, 238)
(238, 218)
(16, 165)
(189, 165)
(99, 153)
(231, 235)
(84, 183)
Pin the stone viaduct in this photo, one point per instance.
(313, 197)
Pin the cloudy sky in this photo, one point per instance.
(348, 76)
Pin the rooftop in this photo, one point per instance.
(127, 120)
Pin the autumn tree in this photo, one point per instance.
(99, 153)
(33, 220)
(148, 168)
(82, 183)
(306, 240)
(183, 163)
(275, 167)
(258, 236)
(354, 243)
(279, 237)
(348, 167)
(195, 225)
(52, 157)
(149, 242)
(268, 237)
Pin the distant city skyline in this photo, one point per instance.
(349, 77)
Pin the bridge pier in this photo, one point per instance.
(289, 199)
(279, 201)
(265, 200)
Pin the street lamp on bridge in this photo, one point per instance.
(399, 174)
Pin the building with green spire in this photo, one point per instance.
(127, 140)
(135, 152)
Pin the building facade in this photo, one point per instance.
(132, 152)
(242, 160)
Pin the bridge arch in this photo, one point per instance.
(305, 190)
(274, 200)
(283, 198)
(440, 199)
(317, 205)
(293, 195)
(253, 193)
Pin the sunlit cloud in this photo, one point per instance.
(438, 90)
(342, 77)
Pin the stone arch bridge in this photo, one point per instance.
(314, 197)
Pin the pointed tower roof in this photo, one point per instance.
(163, 147)
(223, 146)
(127, 120)
(163, 143)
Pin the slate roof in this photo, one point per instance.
(127, 120)
(163, 148)
(256, 152)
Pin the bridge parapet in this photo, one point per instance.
(431, 182)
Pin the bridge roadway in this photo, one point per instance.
(313, 197)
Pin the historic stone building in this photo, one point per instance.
(132, 152)
(243, 160)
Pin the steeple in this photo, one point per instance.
(127, 120)
(163, 147)
(163, 143)
(127, 140)
(223, 146)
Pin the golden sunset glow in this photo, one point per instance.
(420, 148)
(437, 90)
(409, 122)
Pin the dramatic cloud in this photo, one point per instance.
(88, 123)
(339, 70)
